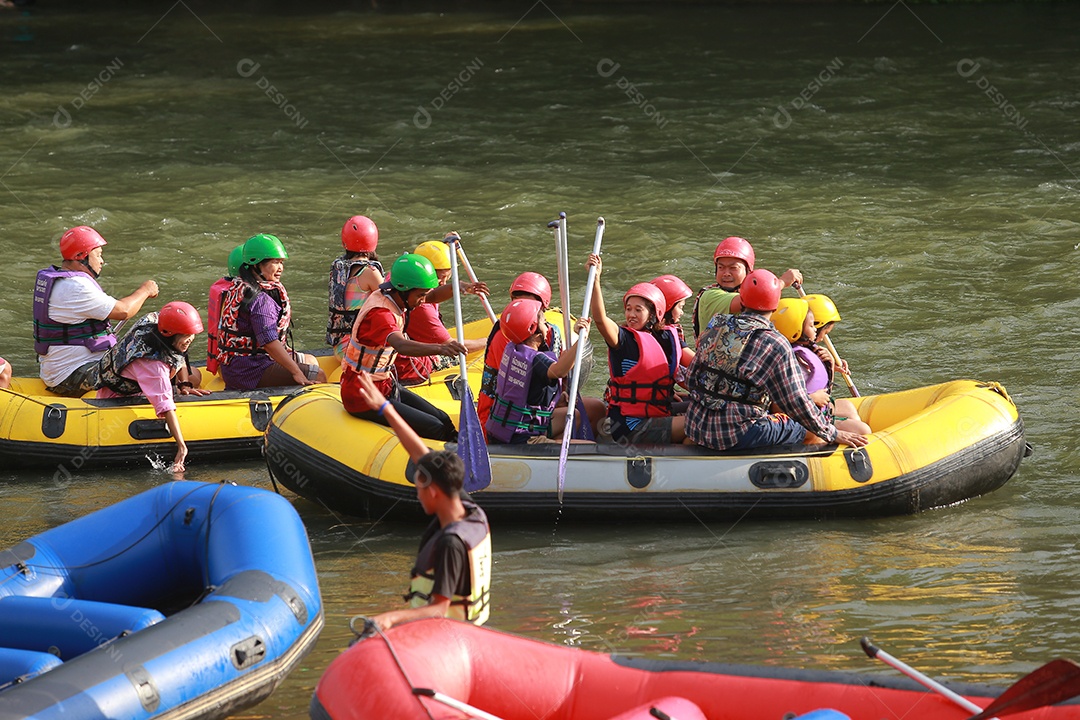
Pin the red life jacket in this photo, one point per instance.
(647, 389)
(213, 312)
(233, 343)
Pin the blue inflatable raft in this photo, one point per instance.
(189, 600)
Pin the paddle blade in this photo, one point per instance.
(1052, 683)
(582, 427)
(471, 446)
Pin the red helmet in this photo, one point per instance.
(534, 284)
(673, 288)
(738, 248)
(359, 234)
(179, 318)
(651, 293)
(77, 242)
(760, 291)
(520, 319)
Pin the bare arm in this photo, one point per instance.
(445, 292)
(282, 357)
(437, 608)
(562, 367)
(406, 435)
(128, 307)
(412, 348)
(173, 423)
(609, 329)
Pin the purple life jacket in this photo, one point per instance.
(817, 375)
(511, 413)
(94, 335)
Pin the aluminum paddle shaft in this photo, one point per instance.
(575, 374)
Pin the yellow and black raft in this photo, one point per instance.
(931, 447)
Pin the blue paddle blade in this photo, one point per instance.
(582, 427)
(471, 446)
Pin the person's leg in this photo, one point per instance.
(846, 417)
(81, 381)
(275, 375)
(427, 420)
(774, 429)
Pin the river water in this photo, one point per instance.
(918, 163)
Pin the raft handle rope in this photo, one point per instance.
(372, 628)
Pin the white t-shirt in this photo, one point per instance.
(73, 300)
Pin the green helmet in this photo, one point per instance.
(412, 272)
(262, 247)
(236, 256)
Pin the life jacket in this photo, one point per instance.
(377, 360)
(647, 389)
(714, 375)
(512, 414)
(817, 375)
(496, 345)
(233, 343)
(94, 335)
(473, 533)
(213, 311)
(342, 314)
(142, 342)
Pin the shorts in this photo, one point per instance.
(82, 380)
(773, 429)
(648, 431)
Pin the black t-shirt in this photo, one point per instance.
(448, 555)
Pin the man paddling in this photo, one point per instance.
(734, 260)
(72, 314)
(452, 575)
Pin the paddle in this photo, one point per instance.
(1054, 682)
(472, 276)
(469, 710)
(471, 446)
(582, 431)
(575, 374)
(832, 351)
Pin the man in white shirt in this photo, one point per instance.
(72, 313)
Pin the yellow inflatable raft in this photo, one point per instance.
(39, 429)
(931, 447)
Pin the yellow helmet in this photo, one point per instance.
(437, 252)
(824, 310)
(789, 317)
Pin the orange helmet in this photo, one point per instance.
(520, 319)
(179, 318)
(737, 248)
(673, 288)
(359, 234)
(77, 242)
(760, 291)
(651, 293)
(534, 284)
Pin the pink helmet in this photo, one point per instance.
(673, 288)
(738, 248)
(77, 242)
(359, 234)
(534, 284)
(179, 318)
(760, 291)
(651, 293)
(520, 319)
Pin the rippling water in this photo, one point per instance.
(918, 163)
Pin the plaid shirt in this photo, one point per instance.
(768, 362)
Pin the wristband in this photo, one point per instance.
(185, 384)
(383, 407)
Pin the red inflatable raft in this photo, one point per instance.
(415, 669)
